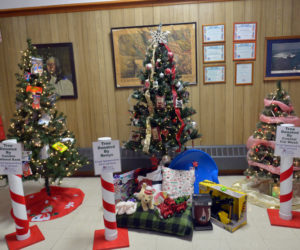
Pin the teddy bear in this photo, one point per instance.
(146, 197)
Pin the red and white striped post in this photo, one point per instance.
(286, 185)
(111, 237)
(108, 202)
(286, 188)
(23, 234)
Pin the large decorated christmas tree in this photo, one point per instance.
(39, 126)
(261, 159)
(160, 119)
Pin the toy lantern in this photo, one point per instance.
(201, 211)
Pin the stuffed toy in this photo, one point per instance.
(146, 197)
(128, 207)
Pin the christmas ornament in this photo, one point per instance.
(45, 119)
(135, 122)
(34, 89)
(37, 65)
(178, 84)
(165, 132)
(179, 103)
(167, 71)
(147, 84)
(27, 76)
(156, 134)
(135, 137)
(36, 101)
(170, 56)
(155, 84)
(160, 101)
(194, 124)
(44, 153)
(58, 146)
(148, 66)
(157, 36)
(161, 75)
(174, 120)
(26, 169)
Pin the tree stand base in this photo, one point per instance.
(35, 236)
(101, 243)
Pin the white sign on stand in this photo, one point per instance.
(107, 158)
(287, 141)
(10, 158)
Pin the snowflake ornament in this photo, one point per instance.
(158, 36)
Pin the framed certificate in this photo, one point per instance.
(244, 31)
(214, 74)
(213, 53)
(244, 51)
(213, 33)
(244, 73)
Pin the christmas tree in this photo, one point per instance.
(262, 162)
(40, 127)
(160, 119)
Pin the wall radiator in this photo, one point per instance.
(230, 159)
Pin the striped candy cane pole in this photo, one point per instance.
(286, 185)
(18, 204)
(19, 207)
(108, 201)
(286, 192)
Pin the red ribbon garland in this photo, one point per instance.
(177, 110)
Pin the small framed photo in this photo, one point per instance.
(58, 62)
(213, 33)
(244, 73)
(282, 58)
(214, 74)
(213, 53)
(244, 51)
(244, 31)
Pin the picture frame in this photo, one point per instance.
(213, 33)
(213, 53)
(244, 51)
(244, 31)
(282, 58)
(214, 74)
(244, 73)
(58, 61)
(128, 57)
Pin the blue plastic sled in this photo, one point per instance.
(206, 170)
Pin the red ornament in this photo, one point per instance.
(256, 150)
(167, 71)
(174, 120)
(275, 109)
(170, 56)
(259, 130)
(165, 132)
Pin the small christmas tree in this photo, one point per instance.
(262, 162)
(39, 126)
(161, 118)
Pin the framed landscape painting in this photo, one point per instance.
(282, 58)
(130, 46)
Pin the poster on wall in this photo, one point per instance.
(213, 33)
(282, 58)
(58, 62)
(244, 73)
(130, 46)
(244, 31)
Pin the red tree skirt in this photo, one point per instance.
(41, 207)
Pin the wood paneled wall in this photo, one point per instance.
(226, 113)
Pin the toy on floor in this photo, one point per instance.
(128, 207)
(169, 207)
(201, 211)
(205, 167)
(146, 197)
